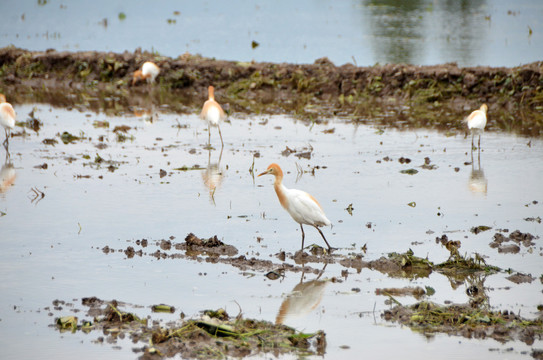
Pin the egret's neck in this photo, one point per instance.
(280, 190)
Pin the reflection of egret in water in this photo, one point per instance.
(7, 176)
(304, 298)
(147, 115)
(213, 175)
(477, 180)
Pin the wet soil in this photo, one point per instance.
(213, 335)
(310, 259)
(397, 95)
(512, 243)
(467, 321)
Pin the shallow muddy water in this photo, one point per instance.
(425, 32)
(53, 245)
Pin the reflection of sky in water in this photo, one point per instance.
(421, 32)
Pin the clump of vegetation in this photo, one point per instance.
(467, 321)
(473, 319)
(408, 265)
(68, 138)
(213, 335)
(408, 261)
(464, 265)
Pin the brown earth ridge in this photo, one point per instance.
(398, 95)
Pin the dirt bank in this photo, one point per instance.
(397, 95)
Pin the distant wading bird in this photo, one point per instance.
(7, 117)
(303, 208)
(212, 113)
(476, 123)
(149, 71)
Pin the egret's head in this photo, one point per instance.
(138, 75)
(273, 169)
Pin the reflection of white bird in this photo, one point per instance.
(7, 177)
(7, 116)
(303, 208)
(304, 298)
(149, 71)
(212, 113)
(145, 114)
(476, 123)
(212, 175)
(478, 182)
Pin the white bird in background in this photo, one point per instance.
(303, 208)
(7, 116)
(476, 123)
(212, 113)
(149, 71)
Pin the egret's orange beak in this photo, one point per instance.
(265, 172)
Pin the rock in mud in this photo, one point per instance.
(193, 240)
(417, 292)
(508, 249)
(519, 278)
(517, 237)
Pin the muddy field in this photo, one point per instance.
(437, 245)
(396, 95)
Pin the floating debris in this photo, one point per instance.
(478, 229)
(50, 142)
(163, 308)
(67, 322)
(409, 171)
(187, 168)
(100, 124)
(519, 278)
(416, 292)
(68, 138)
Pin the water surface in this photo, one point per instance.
(52, 247)
(364, 32)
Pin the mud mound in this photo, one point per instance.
(396, 94)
